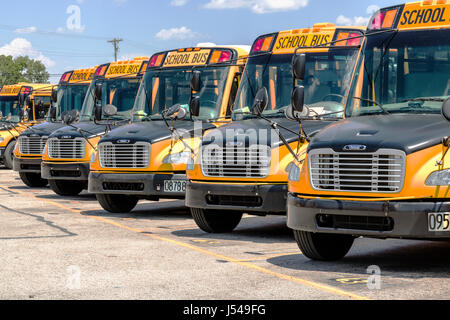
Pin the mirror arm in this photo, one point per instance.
(174, 131)
(446, 144)
(80, 131)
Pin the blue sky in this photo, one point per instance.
(54, 32)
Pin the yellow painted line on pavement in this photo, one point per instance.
(316, 285)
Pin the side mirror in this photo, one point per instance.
(298, 99)
(299, 66)
(21, 99)
(71, 116)
(196, 81)
(98, 112)
(172, 110)
(182, 113)
(52, 113)
(194, 106)
(54, 97)
(98, 91)
(261, 102)
(110, 110)
(446, 109)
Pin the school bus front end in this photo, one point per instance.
(162, 147)
(243, 167)
(382, 171)
(70, 95)
(68, 152)
(21, 106)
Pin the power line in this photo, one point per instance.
(115, 43)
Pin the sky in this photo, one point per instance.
(74, 34)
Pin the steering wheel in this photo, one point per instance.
(333, 95)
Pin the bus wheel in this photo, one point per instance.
(215, 221)
(9, 155)
(66, 188)
(117, 203)
(33, 180)
(322, 246)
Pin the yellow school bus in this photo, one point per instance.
(69, 95)
(147, 160)
(383, 171)
(242, 167)
(21, 106)
(68, 150)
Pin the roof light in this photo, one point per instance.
(65, 77)
(220, 56)
(263, 44)
(384, 19)
(156, 60)
(354, 39)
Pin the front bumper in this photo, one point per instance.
(65, 171)
(265, 199)
(380, 219)
(149, 186)
(27, 165)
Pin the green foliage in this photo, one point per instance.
(22, 69)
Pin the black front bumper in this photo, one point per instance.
(264, 199)
(380, 219)
(27, 165)
(150, 186)
(65, 171)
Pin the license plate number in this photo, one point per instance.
(439, 222)
(174, 186)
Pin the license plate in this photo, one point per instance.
(439, 222)
(175, 186)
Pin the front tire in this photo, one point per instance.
(9, 155)
(33, 180)
(215, 221)
(67, 188)
(322, 246)
(117, 203)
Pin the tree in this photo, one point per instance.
(22, 69)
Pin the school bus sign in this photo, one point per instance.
(193, 58)
(287, 42)
(417, 15)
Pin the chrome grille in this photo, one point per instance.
(123, 156)
(67, 148)
(32, 145)
(382, 171)
(236, 162)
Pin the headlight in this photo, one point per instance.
(439, 178)
(177, 158)
(93, 157)
(2, 139)
(294, 173)
(190, 165)
(45, 150)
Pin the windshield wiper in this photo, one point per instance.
(425, 99)
(373, 102)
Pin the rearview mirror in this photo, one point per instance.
(98, 91)
(71, 116)
(194, 106)
(54, 97)
(446, 109)
(298, 99)
(196, 81)
(110, 110)
(299, 66)
(52, 113)
(98, 112)
(261, 102)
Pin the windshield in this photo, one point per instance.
(70, 97)
(163, 88)
(9, 108)
(326, 83)
(120, 92)
(404, 72)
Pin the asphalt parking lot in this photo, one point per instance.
(69, 248)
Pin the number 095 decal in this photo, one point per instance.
(439, 222)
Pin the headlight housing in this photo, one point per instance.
(439, 178)
(93, 157)
(2, 139)
(294, 173)
(177, 158)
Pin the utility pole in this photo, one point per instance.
(115, 43)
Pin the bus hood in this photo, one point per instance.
(89, 129)
(154, 131)
(407, 132)
(43, 129)
(263, 130)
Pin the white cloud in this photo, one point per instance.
(181, 33)
(26, 30)
(178, 3)
(23, 47)
(258, 6)
(359, 20)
